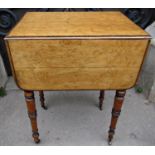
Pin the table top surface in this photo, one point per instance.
(76, 24)
(41, 62)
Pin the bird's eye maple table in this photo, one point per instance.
(76, 51)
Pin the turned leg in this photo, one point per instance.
(119, 97)
(32, 113)
(101, 98)
(42, 100)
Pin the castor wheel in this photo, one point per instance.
(109, 142)
(37, 141)
(100, 107)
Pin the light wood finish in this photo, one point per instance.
(77, 64)
(76, 50)
(75, 24)
(77, 53)
(75, 78)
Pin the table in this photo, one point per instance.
(76, 51)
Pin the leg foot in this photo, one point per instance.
(35, 135)
(32, 113)
(119, 98)
(42, 100)
(109, 143)
(110, 137)
(37, 141)
(101, 98)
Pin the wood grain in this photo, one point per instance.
(77, 53)
(75, 78)
(74, 64)
(32, 113)
(75, 24)
(118, 102)
(42, 63)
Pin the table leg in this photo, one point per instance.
(101, 98)
(119, 98)
(42, 100)
(32, 113)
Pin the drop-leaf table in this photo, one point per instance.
(76, 51)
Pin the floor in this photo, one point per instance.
(73, 118)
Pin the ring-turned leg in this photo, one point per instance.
(32, 113)
(42, 100)
(119, 98)
(101, 98)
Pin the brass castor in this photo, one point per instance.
(37, 141)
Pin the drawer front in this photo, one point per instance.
(76, 64)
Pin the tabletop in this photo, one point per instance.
(76, 50)
(35, 24)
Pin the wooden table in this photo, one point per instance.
(76, 51)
